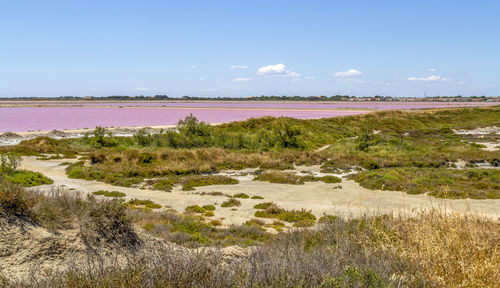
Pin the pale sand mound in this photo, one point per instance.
(27, 249)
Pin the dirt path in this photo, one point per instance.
(321, 198)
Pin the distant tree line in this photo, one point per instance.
(265, 98)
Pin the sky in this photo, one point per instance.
(249, 48)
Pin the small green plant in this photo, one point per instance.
(331, 179)
(230, 203)
(209, 207)
(241, 195)
(257, 197)
(209, 214)
(284, 178)
(27, 178)
(194, 209)
(144, 203)
(114, 194)
(215, 222)
(264, 205)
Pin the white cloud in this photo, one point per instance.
(141, 89)
(431, 78)
(242, 80)
(310, 77)
(277, 70)
(348, 73)
(432, 69)
(238, 67)
(193, 67)
(201, 79)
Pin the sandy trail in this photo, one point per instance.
(321, 198)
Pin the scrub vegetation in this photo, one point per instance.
(429, 250)
(420, 140)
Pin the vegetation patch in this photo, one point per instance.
(241, 195)
(331, 179)
(257, 197)
(189, 182)
(439, 182)
(136, 203)
(283, 178)
(113, 194)
(27, 178)
(230, 203)
(301, 218)
(191, 230)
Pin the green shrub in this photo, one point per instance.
(27, 178)
(209, 214)
(194, 209)
(209, 207)
(264, 205)
(439, 182)
(145, 203)
(283, 178)
(257, 197)
(241, 195)
(331, 179)
(114, 194)
(215, 222)
(230, 203)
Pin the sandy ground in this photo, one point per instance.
(350, 200)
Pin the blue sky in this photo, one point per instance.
(242, 48)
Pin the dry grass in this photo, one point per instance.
(452, 251)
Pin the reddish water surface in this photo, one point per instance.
(263, 104)
(49, 118)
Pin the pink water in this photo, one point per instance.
(266, 104)
(49, 118)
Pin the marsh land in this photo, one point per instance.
(381, 199)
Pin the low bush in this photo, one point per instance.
(136, 203)
(302, 217)
(209, 207)
(27, 178)
(439, 182)
(331, 179)
(114, 194)
(257, 197)
(195, 209)
(264, 205)
(241, 195)
(230, 203)
(283, 178)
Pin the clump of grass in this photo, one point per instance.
(163, 184)
(302, 218)
(195, 209)
(27, 178)
(114, 194)
(143, 203)
(209, 214)
(230, 203)
(283, 178)
(331, 179)
(215, 222)
(257, 197)
(263, 205)
(241, 195)
(277, 225)
(216, 193)
(209, 207)
(254, 221)
(189, 182)
(439, 182)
